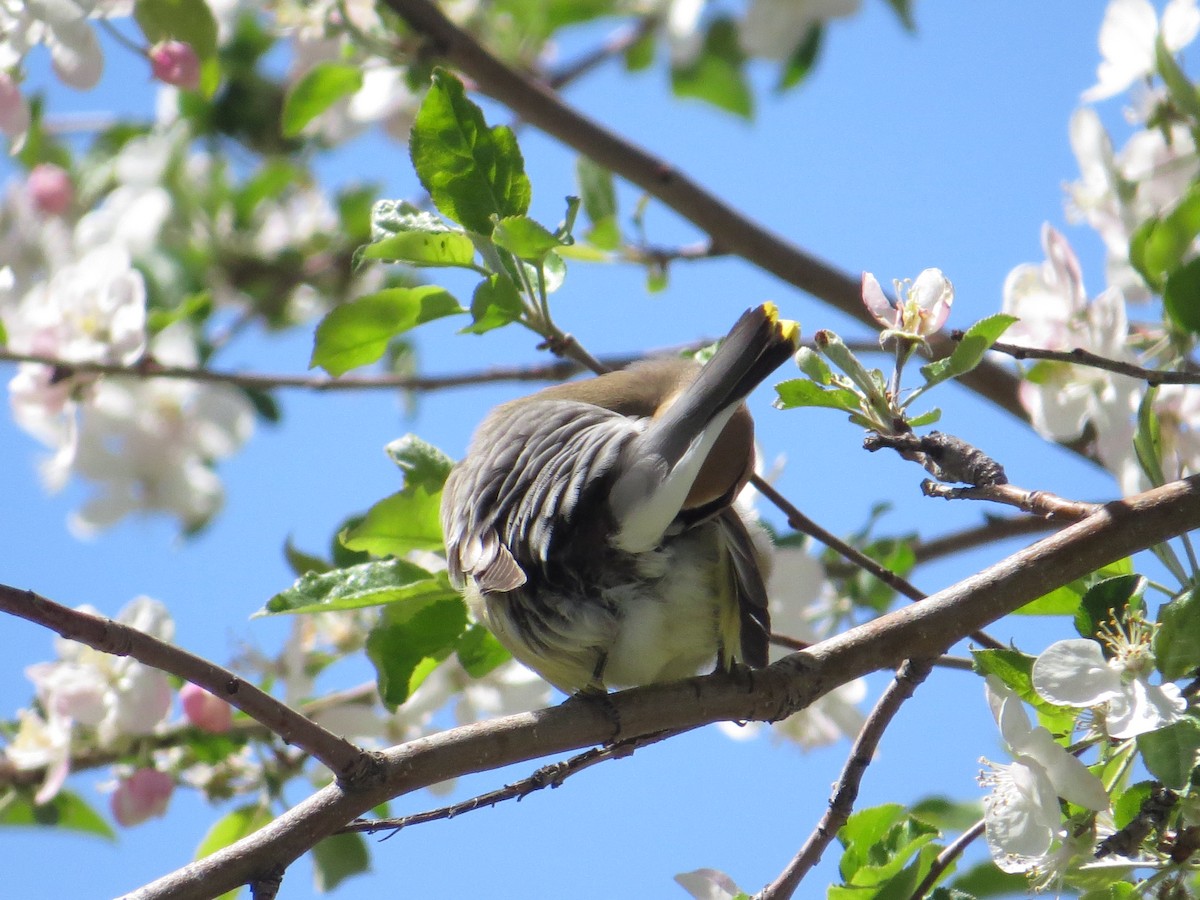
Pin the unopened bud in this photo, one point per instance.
(174, 62)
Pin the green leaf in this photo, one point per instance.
(1177, 640)
(337, 858)
(67, 810)
(232, 827)
(1181, 296)
(802, 60)
(479, 652)
(878, 843)
(1015, 670)
(320, 87)
(1108, 599)
(1062, 601)
(948, 815)
(797, 392)
(814, 366)
(407, 520)
(985, 880)
(423, 248)
(494, 304)
(409, 642)
(1159, 244)
(926, 418)
(472, 172)
(716, 74)
(525, 238)
(423, 465)
(970, 350)
(599, 197)
(372, 583)
(1170, 753)
(1147, 440)
(1179, 86)
(190, 21)
(357, 333)
(1128, 804)
(302, 563)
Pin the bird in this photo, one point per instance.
(592, 525)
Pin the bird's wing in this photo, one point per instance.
(518, 488)
(749, 588)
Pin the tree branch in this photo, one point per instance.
(921, 630)
(730, 230)
(1081, 357)
(342, 758)
(908, 678)
(1039, 503)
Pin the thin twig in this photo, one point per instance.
(805, 525)
(549, 776)
(613, 47)
(1039, 503)
(946, 858)
(342, 758)
(993, 529)
(908, 677)
(1081, 357)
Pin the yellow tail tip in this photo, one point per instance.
(789, 329)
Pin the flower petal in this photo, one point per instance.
(1074, 673)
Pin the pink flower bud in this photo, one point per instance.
(204, 710)
(174, 62)
(50, 189)
(141, 796)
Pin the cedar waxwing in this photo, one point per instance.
(592, 526)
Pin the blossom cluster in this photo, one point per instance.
(87, 700)
(1118, 194)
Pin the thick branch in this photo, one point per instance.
(923, 629)
(339, 755)
(730, 230)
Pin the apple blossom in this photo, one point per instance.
(1127, 41)
(1021, 814)
(42, 744)
(140, 796)
(1075, 672)
(921, 309)
(1053, 312)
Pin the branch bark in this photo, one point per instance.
(924, 629)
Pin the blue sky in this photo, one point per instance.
(945, 148)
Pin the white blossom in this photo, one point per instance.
(773, 29)
(1021, 814)
(1054, 313)
(921, 309)
(111, 697)
(1127, 41)
(1075, 672)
